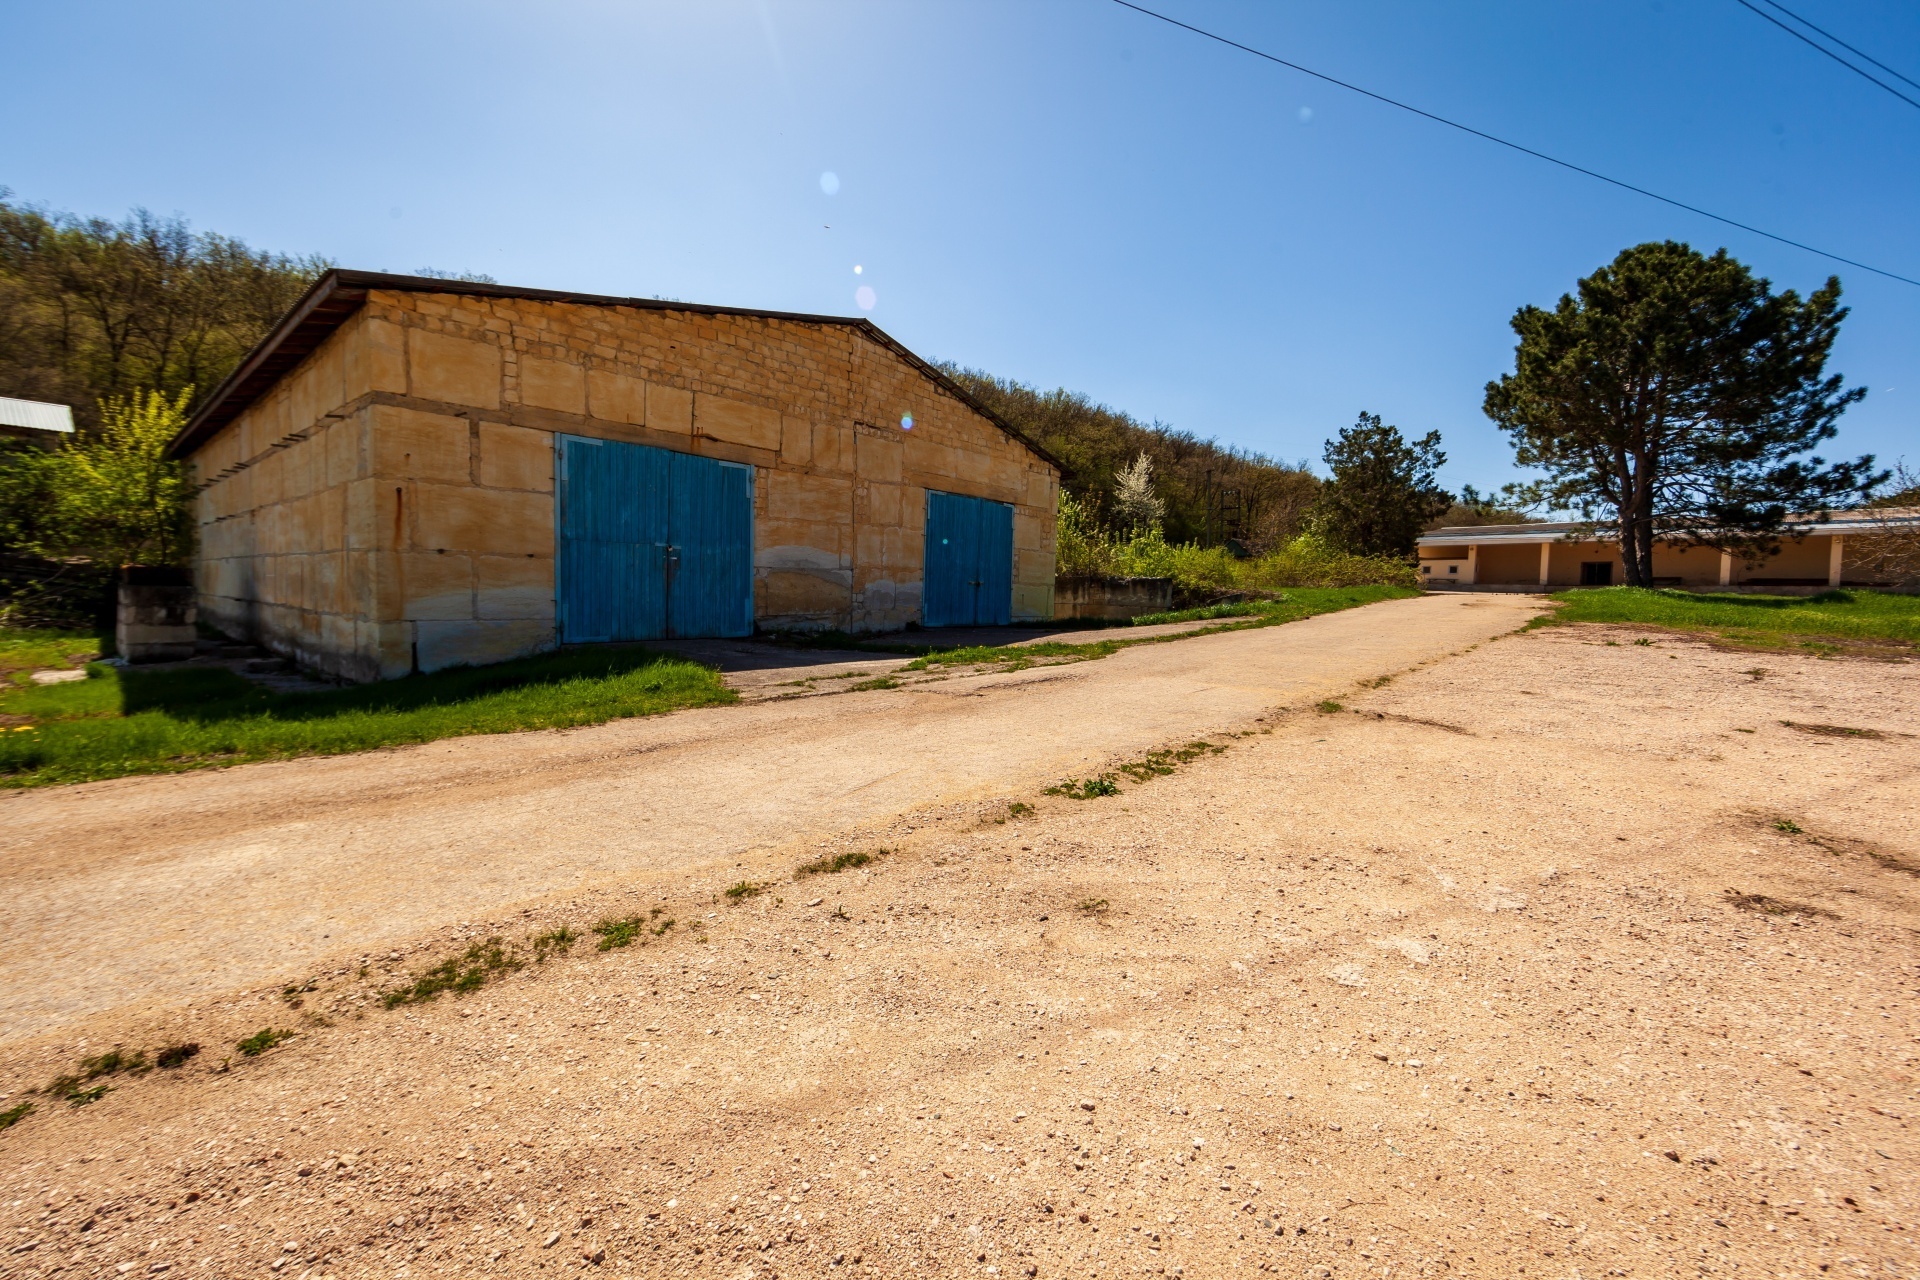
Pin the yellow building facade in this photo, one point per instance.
(378, 479)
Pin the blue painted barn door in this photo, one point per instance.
(710, 571)
(653, 544)
(969, 562)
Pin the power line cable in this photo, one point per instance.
(1843, 44)
(1814, 44)
(1514, 146)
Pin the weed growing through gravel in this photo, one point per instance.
(480, 964)
(1329, 707)
(553, 941)
(1092, 906)
(15, 1114)
(1087, 789)
(265, 1038)
(1789, 826)
(624, 931)
(1161, 763)
(826, 865)
(175, 1055)
(78, 1088)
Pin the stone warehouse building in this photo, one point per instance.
(412, 473)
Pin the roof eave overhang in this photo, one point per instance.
(335, 296)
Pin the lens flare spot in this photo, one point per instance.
(906, 422)
(830, 182)
(857, 268)
(866, 297)
(1306, 115)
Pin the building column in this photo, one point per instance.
(1838, 544)
(1473, 564)
(1726, 568)
(1546, 561)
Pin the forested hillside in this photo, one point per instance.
(1212, 492)
(91, 308)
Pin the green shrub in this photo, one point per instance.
(1084, 549)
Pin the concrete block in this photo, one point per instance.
(796, 441)
(458, 370)
(814, 548)
(616, 397)
(372, 515)
(430, 586)
(833, 447)
(476, 643)
(514, 587)
(884, 503)
(789, 593)
(344, 441)
(411, 445)
(483, 521)
(793, 495)
(553, 384)
(383, 345)
(735, 422)
(669, 409)
(389, 646)
(516, 457)
(877, 457)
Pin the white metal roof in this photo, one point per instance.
(36, 415)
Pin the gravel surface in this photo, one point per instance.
(1566, 956)
(117, 895)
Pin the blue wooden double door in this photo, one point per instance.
(969, 573)
(653, 544)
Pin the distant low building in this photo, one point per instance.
(1546, 555)
(36, 420)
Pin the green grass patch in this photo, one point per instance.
(624, 931)
(24, 649)
(14, 1114)
(1830, 621)
(1158, 764)
(553, 942)
(1087, 788)
(474, 968)
(126, 721)
(78, 1089)
(745, 889)
(262, 1040)
(1287, 606)
(1290, 605)
(1328, 707)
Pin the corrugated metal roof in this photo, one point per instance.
(35, 415)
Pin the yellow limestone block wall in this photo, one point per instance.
(436, 413)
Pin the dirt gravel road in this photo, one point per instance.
(114, 895)
(1566, 957)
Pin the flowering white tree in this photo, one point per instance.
(1135, 505)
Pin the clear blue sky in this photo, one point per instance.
(1059, 191)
